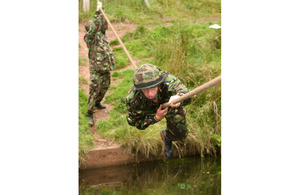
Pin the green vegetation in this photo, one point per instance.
(82, 61)
(176, 37)
(121, 58)
(85, 136)
(82, 81)
(137, 12)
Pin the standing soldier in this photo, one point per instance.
(101, 60)
(151, 89)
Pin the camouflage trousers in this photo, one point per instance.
(176, 125)
(98, 87)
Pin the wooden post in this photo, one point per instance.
(86, 5)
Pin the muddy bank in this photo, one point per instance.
(114, 156)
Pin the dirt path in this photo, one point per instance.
(100, 114)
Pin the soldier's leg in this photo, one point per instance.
(112, 59)
(94, 91)
(104, 85)
(176, 129)
(176, 125)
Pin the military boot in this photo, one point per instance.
(168, 151)
(98, 105)
(90, 118)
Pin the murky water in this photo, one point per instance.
(176, 176)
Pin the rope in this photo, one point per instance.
(199, 89)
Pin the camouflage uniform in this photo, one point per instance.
(141, 110)
(101, 60)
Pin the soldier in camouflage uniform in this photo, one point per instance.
(101, 60)
(151, 89)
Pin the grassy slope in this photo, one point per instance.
(176, 37)
(85, 137)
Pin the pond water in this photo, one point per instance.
(175, 176)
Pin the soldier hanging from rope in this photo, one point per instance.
(101, 61)
(151, 89)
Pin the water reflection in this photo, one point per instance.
(176, 176)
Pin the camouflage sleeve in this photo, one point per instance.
(137, 118)
(177, 88)
(99, 24)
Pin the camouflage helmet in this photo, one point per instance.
(147, 76)
(88, 25)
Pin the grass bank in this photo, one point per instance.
(85, 137)
(176, 37)
(137, 12)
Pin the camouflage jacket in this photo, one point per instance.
(100, 56)
(141, 110)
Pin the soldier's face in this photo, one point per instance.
(150, 93)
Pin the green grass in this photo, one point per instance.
(137, 12)
(82, 81)
(85, 137)
(114, 42)
(121, 58)
(187, 48)
(82, 61)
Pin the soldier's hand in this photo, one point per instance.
(161, 113)
(171, 99)
(99, 5)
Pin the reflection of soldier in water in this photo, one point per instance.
(151, 89)
(101, 60)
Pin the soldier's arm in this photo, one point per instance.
(99, 24)
(176, 87)
(137, 118)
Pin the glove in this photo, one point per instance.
(173, 97)
(99, 5)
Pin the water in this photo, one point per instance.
(176, 176)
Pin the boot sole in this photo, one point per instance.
(100, 107)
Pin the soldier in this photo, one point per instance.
(101, 60)
(151, 89)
